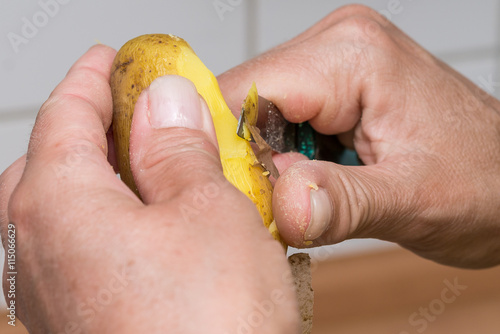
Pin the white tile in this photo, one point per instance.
(29, 76)
(281, 20)
(447, 25)
(440, 26)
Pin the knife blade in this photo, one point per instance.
(262, 122)
(247, 129)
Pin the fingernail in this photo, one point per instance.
(321, 214)
(175, 102)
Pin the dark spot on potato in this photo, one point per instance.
(122, 67)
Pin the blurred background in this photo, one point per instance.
(40, 40)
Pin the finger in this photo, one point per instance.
(173, 145)
(285, 160)
(70, 130)
(78, 111)
(330, 86)
(8, 182)
(317, 203)
(68, 149)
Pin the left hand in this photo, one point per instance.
(91, 257)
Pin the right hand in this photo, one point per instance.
(429, 137)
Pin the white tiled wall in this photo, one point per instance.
(464, 33)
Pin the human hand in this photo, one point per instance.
(430, 140)
(91, 257)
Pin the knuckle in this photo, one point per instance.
(356, 10)
(362, 30)
(358, 199)
(364, 41)
(167, 151)
(343, 13)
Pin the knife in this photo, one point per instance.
(262, 122)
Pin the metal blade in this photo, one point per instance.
(247, 129)
(262, 122)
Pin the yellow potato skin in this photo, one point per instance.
(138, 63)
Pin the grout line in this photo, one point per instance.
(252, 35)
(496, 74)
(19, 114)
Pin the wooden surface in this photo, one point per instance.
(379, 292)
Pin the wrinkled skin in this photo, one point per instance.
(92, 257)
(430, 140)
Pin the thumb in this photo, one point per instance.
(173, 145)
(318, 203)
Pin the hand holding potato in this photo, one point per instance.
(92, 257)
